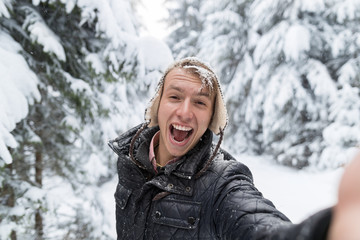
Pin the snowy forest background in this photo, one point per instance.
(76, 73)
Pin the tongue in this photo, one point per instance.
(179, 135)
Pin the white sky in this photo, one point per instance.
(152, 12)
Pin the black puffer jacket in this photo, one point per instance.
(221, 204)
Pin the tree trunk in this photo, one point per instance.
(13, 235)
(38, 167)
(39, 228)
(9, 192)
(39, 224)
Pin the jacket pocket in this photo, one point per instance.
(177, 213)
(122, 196)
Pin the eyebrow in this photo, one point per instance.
(200, 93)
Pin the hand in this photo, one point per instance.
(345, 224)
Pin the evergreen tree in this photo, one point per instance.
(224, 39)
(186, 22)
(88, 63)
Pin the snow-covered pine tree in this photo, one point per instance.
(342, 135)
(287, 66)
(207, 29)
(93, 72)
(55, 45)
(219, 42)
(294, 82)
(186, 23)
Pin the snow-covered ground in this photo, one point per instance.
(298, 194)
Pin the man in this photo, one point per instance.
(175, 184)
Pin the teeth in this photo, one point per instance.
(182, 128)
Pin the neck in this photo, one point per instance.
(161, 156)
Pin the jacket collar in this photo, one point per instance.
(186, 167)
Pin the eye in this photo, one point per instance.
(174, 97)
(201, 103)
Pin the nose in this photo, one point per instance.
(184, 111)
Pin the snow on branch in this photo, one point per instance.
(18, 89)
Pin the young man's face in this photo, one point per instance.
(184, 113)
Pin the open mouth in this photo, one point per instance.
(180, 133)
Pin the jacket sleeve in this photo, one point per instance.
(243, 213)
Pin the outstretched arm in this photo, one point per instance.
(243, 213)
(346, 219)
